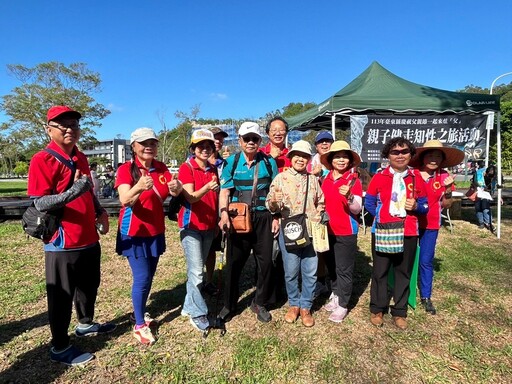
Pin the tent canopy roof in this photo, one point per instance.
(380, 91)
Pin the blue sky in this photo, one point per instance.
(242, 59)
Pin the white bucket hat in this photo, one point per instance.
(300, 146)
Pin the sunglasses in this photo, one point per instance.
(247, 139)
(396, 152)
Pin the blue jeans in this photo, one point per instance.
(196, 245)
(483, 211)
(428, 239)
(302, 260)
(143, 270)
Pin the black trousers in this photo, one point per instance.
(238, 250)
(71, 276)
(340, 261)
(402, 264)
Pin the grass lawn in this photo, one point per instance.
(469, 340)
(13, 188)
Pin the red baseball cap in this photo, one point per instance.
(58, 110)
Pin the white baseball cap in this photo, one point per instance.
(142, 134)
(249, 127)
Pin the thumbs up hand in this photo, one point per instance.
(344, 190)
(225, 152)
(146, 181)
(175, 186)
(448, 182)
(278, 195)
(214, 184)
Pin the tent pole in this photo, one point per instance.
(333, 125)
(489, 125)
(498, 155)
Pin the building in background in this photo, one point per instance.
(116, 151)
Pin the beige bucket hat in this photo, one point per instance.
(339, 146)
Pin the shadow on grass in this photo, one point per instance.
(10, 330)
(35, 365)
(167, 300)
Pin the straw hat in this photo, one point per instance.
(452, 156)
(300, 146)
(339, 146)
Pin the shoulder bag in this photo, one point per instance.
(295, 231)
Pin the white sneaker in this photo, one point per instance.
(144, 335)
(332, 304)
(338, 314)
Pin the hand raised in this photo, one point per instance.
(175, 186)
(317, 170)
(146, 181)
(278, 195)
(275, 152)
(225, 152)
(344, 190)
(410, 204)
(448, 181)
(214, 184)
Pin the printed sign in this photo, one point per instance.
(369, 133)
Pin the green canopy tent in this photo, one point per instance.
(378, 91)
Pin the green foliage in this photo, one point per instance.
(174, 143)
(41, 87)
(293, 109)
(21, 168)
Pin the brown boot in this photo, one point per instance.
(400, 322)
(291, 315)
(307, 319)
(376, 319)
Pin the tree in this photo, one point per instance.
(21, 168)
(43, 86)
(174, 143)
(293, 109)
(505, 91)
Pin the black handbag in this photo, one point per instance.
(43, 225)
(295, 231)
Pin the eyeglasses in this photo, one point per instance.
(64, 127)
(274, 131)
(204, 147)
(254, 139)
(323, 141)
(396, 152)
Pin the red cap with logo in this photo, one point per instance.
(58, 110)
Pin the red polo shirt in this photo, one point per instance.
(341, 221)
(283, 162)
(378, 198)
(146, 217)
(203, 214)
(435, 191)
(48, 176)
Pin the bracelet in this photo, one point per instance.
(224, 209)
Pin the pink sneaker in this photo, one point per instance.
(332, 304)
(338, 315)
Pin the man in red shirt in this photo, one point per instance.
(277, 129)
(59, 178)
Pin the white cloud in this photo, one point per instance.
(218, 96)
(114, 108)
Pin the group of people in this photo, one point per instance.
(484, 183)
(278, 184)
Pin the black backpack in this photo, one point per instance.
(43, 225)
